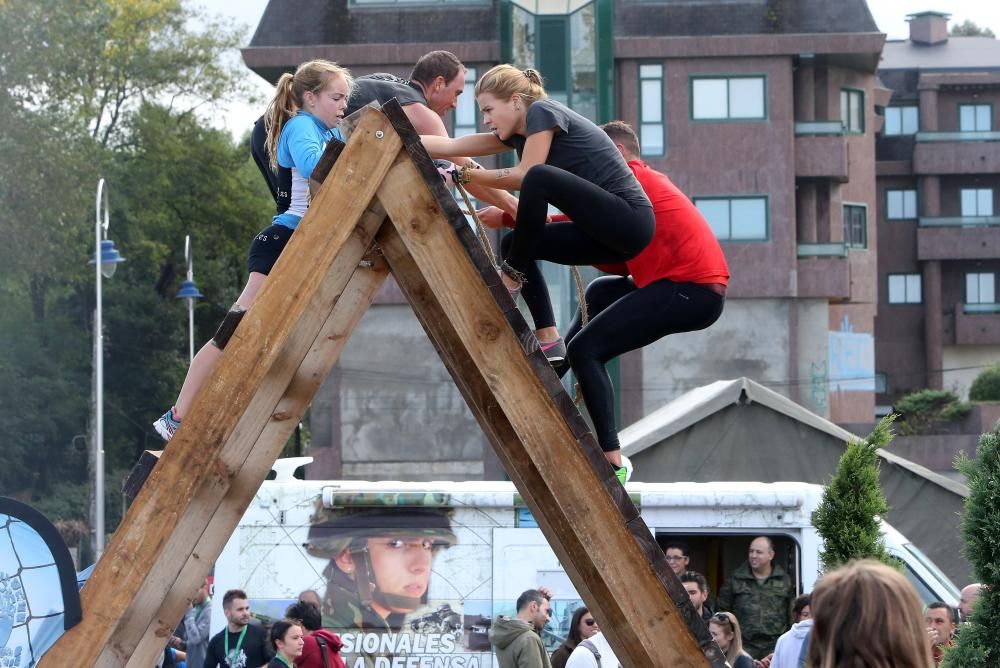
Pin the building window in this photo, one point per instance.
(728, 98)
(977, 201)
(735, 218)
(855, 226)
(852, 110)
(904, 289)
(651, 109)
(980, 288)
(901, 204)
(901, 120)
(465, 114)
(975, 117)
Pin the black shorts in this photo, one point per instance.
(266, 247)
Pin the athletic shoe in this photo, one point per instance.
(513, 274)
(555, 351)
(167, 425)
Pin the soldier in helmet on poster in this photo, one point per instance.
(380, 553)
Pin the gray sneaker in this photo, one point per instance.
(555, 351)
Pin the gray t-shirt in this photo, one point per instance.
(581, 148)
(381, 88)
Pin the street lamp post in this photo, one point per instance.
(106, 260)
(190, 292)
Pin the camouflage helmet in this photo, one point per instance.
(349, 517)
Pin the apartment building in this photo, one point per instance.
(762, 111)
(938, 180)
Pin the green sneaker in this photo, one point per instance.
(621, 473)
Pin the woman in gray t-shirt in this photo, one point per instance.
(566, 161)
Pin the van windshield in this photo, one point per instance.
(934, 571)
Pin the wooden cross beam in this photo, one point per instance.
(380, 198)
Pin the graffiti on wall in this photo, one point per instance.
(852, 359)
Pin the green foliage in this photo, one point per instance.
(923, 409)
(117, 99)
(978, 644)
(986, 386)
(848, 515)
(970, 28)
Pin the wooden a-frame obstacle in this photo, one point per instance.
(381, 200)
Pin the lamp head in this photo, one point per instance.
(110, 257)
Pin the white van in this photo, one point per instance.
(481, 549)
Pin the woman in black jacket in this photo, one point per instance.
(582, 626)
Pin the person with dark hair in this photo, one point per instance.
(800, 608)
(240, 644)
(791, 645)
(941, 621)
(867, 615)
(436, 82)
(581, 626)
(286, 640)
(678, 556)
(517, 639)
(759, 593)
(320, 648)
(697, 589)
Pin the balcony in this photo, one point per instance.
(958, 238)
(824, 271)
(956, 153)
(977, 324)
(821, 151)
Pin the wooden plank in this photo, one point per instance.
(326, 349)
(162, 528)
(552, 385)
(582, 523)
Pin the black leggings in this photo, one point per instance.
(605, 229)
(623, 318)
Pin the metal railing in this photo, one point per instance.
(836, 249)
(835, 128)
(958, 221)
(957, 136)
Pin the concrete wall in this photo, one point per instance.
(967, 362)
(778, 342)
(391, 411)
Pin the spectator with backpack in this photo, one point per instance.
(594, 652)
(322, 647)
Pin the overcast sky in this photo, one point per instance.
(890, 16)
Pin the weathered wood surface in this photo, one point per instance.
(220, 441)
(543, 442)
(279, 355)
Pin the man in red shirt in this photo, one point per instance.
(676, 284)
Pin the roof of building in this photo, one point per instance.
(317, 22)
(742, 17)
(701, 402)
(956, 53)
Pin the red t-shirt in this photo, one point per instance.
(684, 248)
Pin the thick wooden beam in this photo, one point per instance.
(323, 354)
(596, 532)
(161, 531)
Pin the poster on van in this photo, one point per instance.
(406, 579)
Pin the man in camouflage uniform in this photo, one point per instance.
(759, 593)
(380, 549)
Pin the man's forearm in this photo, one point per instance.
(498, 198)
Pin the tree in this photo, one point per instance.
(110, 88)
(970, 29)
(978, 644)
(848, 515)
(922, 410)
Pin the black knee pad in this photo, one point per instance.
(228, 326)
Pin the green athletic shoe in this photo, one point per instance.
(621, 473)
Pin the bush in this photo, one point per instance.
(848, 516)
(986, 386)
(978, 644)
(920, 410)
